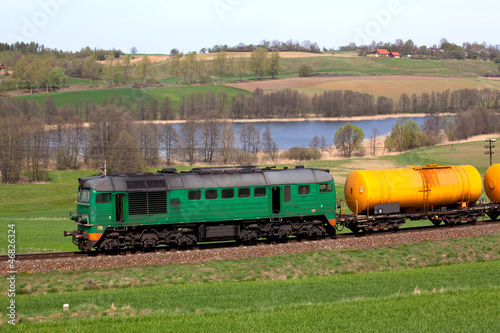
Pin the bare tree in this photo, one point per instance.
(227, 141)
(268, 144)
(315, 142)
(249, 139)
(149, 143)
(125, 156)
(373, 139)
(169, 139)
(209, 134)
(188, 139)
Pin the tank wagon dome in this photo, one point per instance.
(414, 188)
(492, 183)
(217, 177)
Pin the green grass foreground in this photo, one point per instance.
(458, 298)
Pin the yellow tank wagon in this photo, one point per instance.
(413, 189)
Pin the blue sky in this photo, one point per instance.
(154, 26)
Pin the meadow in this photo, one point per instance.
(126, 94)
(437, 286)
(437, 75)
(41, 211)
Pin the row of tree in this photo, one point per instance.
(285, 103)
(113, 138)
(271, 46)
(444, 50)
(407, 134)
(192, 68)
(29, 147)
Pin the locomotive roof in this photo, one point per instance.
(168, 179)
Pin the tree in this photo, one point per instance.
(373, 140)
(133, 50)
(188, 138)
(219, 64)
(166, 109)
(126, 68)
(48, 74)
(268, 144)
(315, 142)
(249, 139)
(226, 141)
(144, 69)
(90, 69)
(349, 138)
(209, 134)
(108, 71)
(275, 64)
(174, 69)
(404, 135)
(125, 156)
(258, 62)
(168, 139)
(241, 66)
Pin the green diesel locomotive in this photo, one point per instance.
(203, 205)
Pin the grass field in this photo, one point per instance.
(430, 286)
(35, 207)
(131, 94)
(395, 301)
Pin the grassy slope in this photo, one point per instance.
(98, 95)
(48, 205)
(418, 299)
(403, 300)
(336, 65)
(365, 65)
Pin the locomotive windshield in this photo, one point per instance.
(84, 196)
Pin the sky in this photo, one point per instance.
(154, 26)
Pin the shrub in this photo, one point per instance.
(302, 154)
(305, 70)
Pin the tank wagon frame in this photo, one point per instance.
(202, 205)
(388, 216)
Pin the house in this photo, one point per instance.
(395, 55)
(2, 67)
(381, 53)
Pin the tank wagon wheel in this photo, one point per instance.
(492, 215)
(436, 222)
(354, 228)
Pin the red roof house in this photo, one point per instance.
(381, 53)
(395, 55)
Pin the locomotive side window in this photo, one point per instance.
(288, 194)
(259, 192)
(85, 196)
(243, 193)
(227, 193)
(103, 198)
(325, 188)
(304, 189)
(194, 195)
(211, 194)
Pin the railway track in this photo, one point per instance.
(229, 244)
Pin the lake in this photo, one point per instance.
(300, 133)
